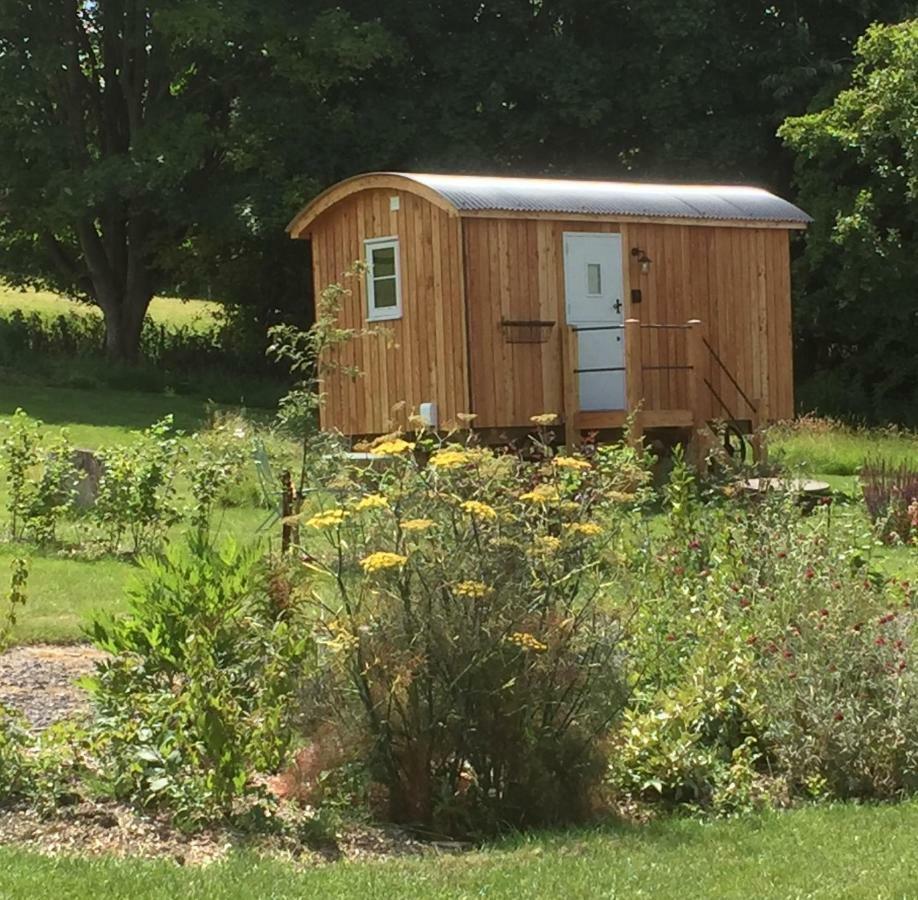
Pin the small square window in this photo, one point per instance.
(594, 279)
(384, 295)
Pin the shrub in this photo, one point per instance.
(198, 696)
(137, 488)
(891, 496)
(40, 477)
(775, 663)
(461, 610)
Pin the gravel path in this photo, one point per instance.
(38, 680)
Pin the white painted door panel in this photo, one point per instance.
(594, 301)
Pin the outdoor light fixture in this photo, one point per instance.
(642, 258)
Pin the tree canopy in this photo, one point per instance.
(857, 301)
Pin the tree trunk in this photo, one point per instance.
(123, 325)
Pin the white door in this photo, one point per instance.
(594, 300)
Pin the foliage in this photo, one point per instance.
(40, 478)
(461, 617)
(197, 697)
(137, 488)
(857, 169)
(891, 497)
(15, 598)
(214, 464)
(777, 664)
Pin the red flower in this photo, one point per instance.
(810, 573)
(751, 639)
(670, 637)
(880, 641)
(824, 612)
(788, 655)
(838, 716)
(781, 554)
(745, 602)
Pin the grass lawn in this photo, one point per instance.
(163, 310)
(828, 852)
(63, 592)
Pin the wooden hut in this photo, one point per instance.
(511, 297)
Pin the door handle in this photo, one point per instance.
(617, 306)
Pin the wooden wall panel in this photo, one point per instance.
(418, 358)
(735, 280)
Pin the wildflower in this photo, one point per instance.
(587, 529)
(823, 613)
(752, 640)
(328, 519)
(809, 573)
(880, 641)
(544, 419)
(569, 462)
(547, 544)
(451, 458)
(621, 497)
(417, 524)
(382, 559)
(479, 510)
(474, 589)
(542, 493)
(466, 418)
(745, 603)
(371, 501)
(838, 716)
(392, 447)
(527, 641)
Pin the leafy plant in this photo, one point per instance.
(891, 497)
(462, 611)
(198, 696)
(40, 477)
(137, 488)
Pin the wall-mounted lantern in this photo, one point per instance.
(642, 258)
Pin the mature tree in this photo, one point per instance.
(858, 278)
(118, 132)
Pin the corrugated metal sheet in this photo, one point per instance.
(682, 201)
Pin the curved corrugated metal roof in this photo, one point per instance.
(681, 201)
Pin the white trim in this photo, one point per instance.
(387, 313)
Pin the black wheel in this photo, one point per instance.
(735, 444)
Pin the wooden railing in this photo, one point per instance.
(666, 387)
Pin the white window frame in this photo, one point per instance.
(386, 313)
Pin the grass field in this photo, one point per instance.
(828, 852)
(164, 310)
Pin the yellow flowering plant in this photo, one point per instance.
(477, 662)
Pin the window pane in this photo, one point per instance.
(383, 261)
(594, 278)
(384, 293)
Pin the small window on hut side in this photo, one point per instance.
(384, 292)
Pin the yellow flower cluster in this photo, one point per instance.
(341, 639)
(587, 529)
(329, 519)
(620, 497)
(569, 462)
(479, 510)
(527, 641)
(392, 447)
(547, 544)
(371, 501)
(417, 524)
(544, 419)
(382, 559)
(476, 589)
(542, 493)
(451, 458)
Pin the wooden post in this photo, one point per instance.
(634, 376)
(696, 391)
(287, 526)
(571, 361)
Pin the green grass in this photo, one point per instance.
(826, 448)
(829, 852)
(197, 314)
